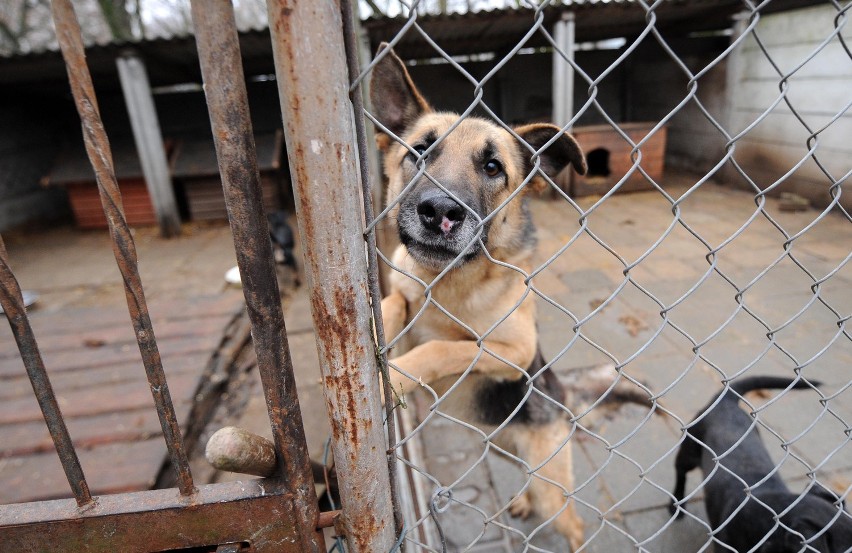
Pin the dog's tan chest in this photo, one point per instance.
(472, 297)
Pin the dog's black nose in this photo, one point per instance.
(440, 213)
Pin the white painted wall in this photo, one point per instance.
(818, 91)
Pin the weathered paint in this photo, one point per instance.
(158, 520)
(321, 142)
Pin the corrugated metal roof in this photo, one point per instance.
(500, 30)
(173, 60)
(169, 61)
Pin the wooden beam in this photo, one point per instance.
(149, 141)
(563, 73)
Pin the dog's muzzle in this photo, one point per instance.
(439, 213)
(437, 229)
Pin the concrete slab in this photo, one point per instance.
(624, 464)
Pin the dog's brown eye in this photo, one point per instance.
(420, 149)
(492, 168)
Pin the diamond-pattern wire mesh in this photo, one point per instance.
(691, 216)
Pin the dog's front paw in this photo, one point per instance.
(521, 506)
(674, 510)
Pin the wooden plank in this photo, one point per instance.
(98, 400)
(207, 201)
(104, 395)
(30, 438)
(86, 203)
(110, 355)
(101, 376)
(112, 468)
(73, 321)
(121, 335)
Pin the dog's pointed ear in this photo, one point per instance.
(396, 101)
(562, 152)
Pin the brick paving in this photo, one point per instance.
(74, 272)
(97, 374)
(629, 483)
(84, 334)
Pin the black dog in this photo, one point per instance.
(282, 239)
(815, 516)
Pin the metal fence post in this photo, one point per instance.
(227, 101)
(313, 87)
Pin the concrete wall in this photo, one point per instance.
(658, 85)
(818, 92)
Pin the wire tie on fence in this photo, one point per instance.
(440, 492)
(397, 546)
(434, 509)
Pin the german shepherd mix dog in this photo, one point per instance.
(476, 229)
(743, 520)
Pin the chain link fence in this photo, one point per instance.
(560, 347)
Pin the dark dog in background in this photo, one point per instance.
(724, 492)
(283, 243)
(281, 235)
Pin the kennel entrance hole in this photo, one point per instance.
(598, 163)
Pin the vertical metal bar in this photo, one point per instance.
(352, 55)
(227, 100)
(306, 37)
(97, 147)
(13, 304)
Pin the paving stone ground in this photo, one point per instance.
(74, 270)
(87, 342)
(624, 463)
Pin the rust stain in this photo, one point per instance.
(335, 326)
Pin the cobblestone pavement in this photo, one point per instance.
(624, 463)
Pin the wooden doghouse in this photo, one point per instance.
(195, 170)
(73, 171)
(608, 157)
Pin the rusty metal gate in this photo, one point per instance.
(664, 365)
(278, 513)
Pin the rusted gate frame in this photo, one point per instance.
(227, 100)
(356, 94)
(97, 147)
(278, 514)
(321, 145)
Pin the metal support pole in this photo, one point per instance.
(321, 140)
(227, 101)
(149, 141)
(563, 73)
